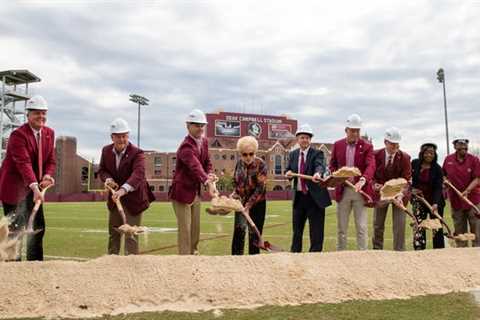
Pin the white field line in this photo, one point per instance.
(66, 258)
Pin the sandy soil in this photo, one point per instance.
(112, 284)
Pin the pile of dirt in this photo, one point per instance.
(113, 284)
(9, 247)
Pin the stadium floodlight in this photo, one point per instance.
(140, 101)
(441, 79)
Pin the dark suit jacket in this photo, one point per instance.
(132, 171)
(436, 180)
(364, 160)
(20, 166)
(191, 170)
(314, 163)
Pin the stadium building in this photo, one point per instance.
(275, 134)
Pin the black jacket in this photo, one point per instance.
(436, 180)
(314, 163)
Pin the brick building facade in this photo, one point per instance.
(275, 134)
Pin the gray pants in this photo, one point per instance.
(462, 219)
(188, 222)
(398, 217)
(115, 237)
(352, 200)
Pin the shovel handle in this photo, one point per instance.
(118, 204)
(408, 212)
(435, 213)
(301, 176)
(252, 224)
(363, 193)
(37, 205)
(460, 194)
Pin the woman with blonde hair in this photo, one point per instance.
(249, 181)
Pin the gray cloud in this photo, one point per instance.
(314, 62)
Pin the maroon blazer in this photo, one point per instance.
(20, 166)
(400, 168)
(191, 170)
(132, 171)
(364, 160)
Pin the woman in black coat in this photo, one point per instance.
(427, 180)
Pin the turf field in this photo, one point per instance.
(80, 229)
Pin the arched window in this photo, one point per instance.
(278, 164)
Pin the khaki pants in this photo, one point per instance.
(188, 222)
(115, 237)
(398, 216)
(462, 219)
(352, 200)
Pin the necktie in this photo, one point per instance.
(40, 156)
(390, 160)
(302, 171)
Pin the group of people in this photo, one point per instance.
(29, 167)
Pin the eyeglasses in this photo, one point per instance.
(251, 154)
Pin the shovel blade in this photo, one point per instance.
(267, 246)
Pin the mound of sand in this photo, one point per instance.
(112, 284)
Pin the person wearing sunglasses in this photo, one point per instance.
(249, 180)
(462, 169)
(427, 181)
(309, 198)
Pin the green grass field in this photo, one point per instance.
(79, 230)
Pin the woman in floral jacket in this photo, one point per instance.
(249, 181)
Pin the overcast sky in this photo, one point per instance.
(316, 61)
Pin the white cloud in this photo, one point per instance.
(316, 61)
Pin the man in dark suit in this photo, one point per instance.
(309, 198)
(29, 165)
(391, 163)
(192, 170)
(122, 166)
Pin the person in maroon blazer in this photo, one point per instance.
(25, 171)
(392, 163)
(193, 169)
(122, 166)
(353, 151)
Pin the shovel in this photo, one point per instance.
(363, 193)
(329, 181)
(33, 214)
(125, 228)
(470, 203)
(400, 205)
(449, 233)
(265, 245)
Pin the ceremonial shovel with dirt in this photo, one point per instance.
(125, 228)
(222, 205)
(449, 234)
(389, 193)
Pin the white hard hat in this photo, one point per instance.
(354, 121)
(392, 135)
(305, 129)
(119, 126)
(196, 116)
(460, 138)
(37, 103)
